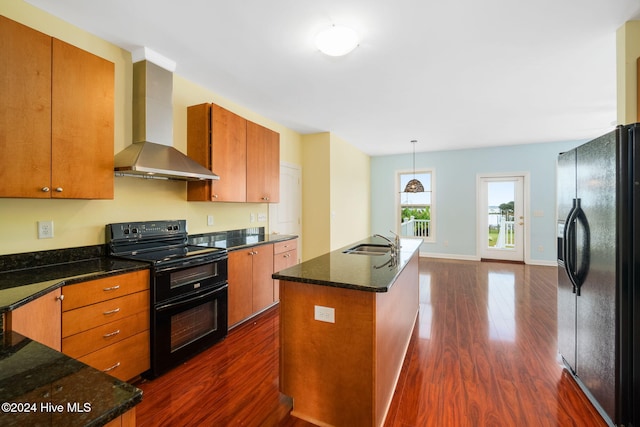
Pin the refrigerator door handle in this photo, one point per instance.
(577, 274)
(583, 269)
(568, 248)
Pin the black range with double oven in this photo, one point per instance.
(188, 288)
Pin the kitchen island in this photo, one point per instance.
(346, 320)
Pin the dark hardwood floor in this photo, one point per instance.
(483, 353)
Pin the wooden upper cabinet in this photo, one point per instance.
(82, 124)
(56, 118)
(263, 164)
(245, 155)
(25, 111)
(217, 139)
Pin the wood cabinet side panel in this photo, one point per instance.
(328, 368)
(25, 111)
(82, 124)
(396, 313)
(39, 320)
(199, 148)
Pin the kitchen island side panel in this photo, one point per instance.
(345, 373)
(327, 368)
(396, 313)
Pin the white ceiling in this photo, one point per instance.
(451, 74)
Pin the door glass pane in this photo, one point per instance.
(500, 215)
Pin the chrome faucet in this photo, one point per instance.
(395, 244)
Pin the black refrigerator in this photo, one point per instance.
(598, 213)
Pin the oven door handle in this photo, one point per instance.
(165, 307)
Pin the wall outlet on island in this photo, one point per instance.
(45, 229)
(324, 314)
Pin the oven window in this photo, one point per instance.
(192, 274)
(190, 325)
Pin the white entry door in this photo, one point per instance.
(501, 218)
(285, 217)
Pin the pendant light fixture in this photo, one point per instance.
(414, 186)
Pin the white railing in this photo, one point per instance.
(506, 235)
(415, 227)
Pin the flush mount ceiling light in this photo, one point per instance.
(336, 40)
(414, 186)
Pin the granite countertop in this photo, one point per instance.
(40, 386)
(237, 242)
(372, 273)
(18, 287)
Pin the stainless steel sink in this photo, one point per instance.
(368, 249)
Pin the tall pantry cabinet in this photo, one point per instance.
(56, 117)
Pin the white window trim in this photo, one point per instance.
(432, 229)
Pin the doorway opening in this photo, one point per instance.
(501, 217)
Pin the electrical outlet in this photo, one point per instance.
(324, 314)
(262, 217)
(209, 220)
(45, 229)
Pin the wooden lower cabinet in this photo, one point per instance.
(285, 255)
(128, 419)
(39, 319)
(105, 323)
(250, 282)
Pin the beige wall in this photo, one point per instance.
(628, 51)
(336, 194)
(81, 222)
(350, 191)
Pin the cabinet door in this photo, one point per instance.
(82, 124)
(25, 111)
(39, 320)
(228, 155)
(240, 297)
(263, 164)
(262, 281)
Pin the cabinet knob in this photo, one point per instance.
(215, 196)
(59, 189)
(45, 189)
(60, 298)
(265, 198)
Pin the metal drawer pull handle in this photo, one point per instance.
(116, 332)
(115, 310)
(111, 368)
(113, 288)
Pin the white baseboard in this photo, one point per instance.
(477, 258)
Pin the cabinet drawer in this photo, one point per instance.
(287, 245)
(85, 318)
(94, 291)
(123, 360)
(285, 260)
(99, 337)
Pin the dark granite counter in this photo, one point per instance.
(372, 273)
(40, 386)
(238, 239)
(18, 287)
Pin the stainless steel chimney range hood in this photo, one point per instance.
(152, 155)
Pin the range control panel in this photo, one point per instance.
(146, 229)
